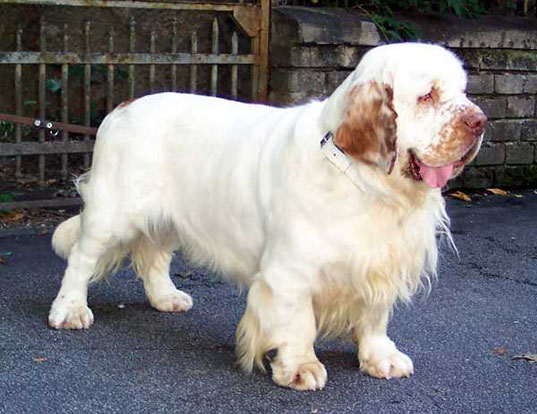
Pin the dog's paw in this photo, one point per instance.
(72, 315)
(308, 376)
(381, 359)
(395, 365)
(177, 301)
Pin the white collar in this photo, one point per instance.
(341, 160)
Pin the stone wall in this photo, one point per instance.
(313, 50)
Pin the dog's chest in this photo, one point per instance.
(384, 251)
(382, 258)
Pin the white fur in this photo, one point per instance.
(245, 190)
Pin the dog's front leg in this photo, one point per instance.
(279, 316)
(377, 354)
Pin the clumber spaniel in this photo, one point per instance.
(327, 212)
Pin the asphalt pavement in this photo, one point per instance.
(464, 338)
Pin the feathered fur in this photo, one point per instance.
(247, 191)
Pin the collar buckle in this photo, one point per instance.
(338, 157)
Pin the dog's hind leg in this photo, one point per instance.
(152, 263)
(93, 254)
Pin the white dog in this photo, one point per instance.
(328, 212)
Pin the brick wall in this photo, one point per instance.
(313, 50)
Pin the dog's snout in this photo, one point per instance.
(475, 121)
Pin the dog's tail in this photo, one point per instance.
(65, 235)
(67, 232)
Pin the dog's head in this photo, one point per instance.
(404, 108)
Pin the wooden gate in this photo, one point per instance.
(74, 62)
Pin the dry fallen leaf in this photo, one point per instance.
(499, 350)
(461, 196)
(497, 191)
(4, 256)
(12, 217)
(531, 358)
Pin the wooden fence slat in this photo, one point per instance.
(263, 52)
(174, 50)
(53, 202)
(48, 147)
(132, 48)
(138, 4)
(234, 68)
(18, 99)
(214, 50)
(193, 68)
(42, 97)
(101, 58)
(110, 74)
(255, 69)
(65, 102)
(152, 50)
(87, 89)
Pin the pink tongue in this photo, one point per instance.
(436, 176)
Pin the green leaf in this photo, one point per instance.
(122, 73)
(53, 85)
(6, 197)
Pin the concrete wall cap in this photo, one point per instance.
(325, 26)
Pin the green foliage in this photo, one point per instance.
(7, 130)
(393, 29)
(98, 76)
(381, 12)
(6, 197)
(53, 85)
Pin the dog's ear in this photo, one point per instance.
(368, 131)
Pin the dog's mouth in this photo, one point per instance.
(437, 177)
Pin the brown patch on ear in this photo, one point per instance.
(368, 131)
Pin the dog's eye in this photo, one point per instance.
(426, 98)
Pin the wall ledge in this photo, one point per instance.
(306, 25)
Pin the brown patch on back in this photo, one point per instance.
(126, 103)
(368, 132)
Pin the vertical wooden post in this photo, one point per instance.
(18, 100)
(255, 69)
(234, 68)
(174, 50)
(110, 75)
(42, 98)
(264, 39)
(214, 51)
(65, 101)
(152, 50)
(87, 90)
(193, 68)
(132, 48)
